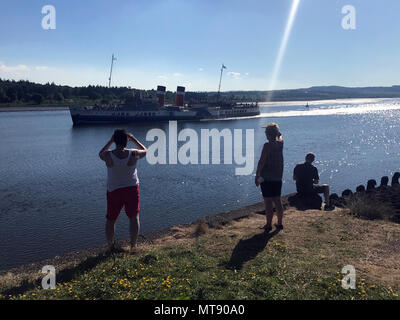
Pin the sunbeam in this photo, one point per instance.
(282, 49)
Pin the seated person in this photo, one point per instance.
(307, 178)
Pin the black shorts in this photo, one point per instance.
(271, 189)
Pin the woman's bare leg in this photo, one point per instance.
(134, 228)
(279, 209)
(110, 227)
(269, 211)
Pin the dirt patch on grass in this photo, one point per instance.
(335, 239)
(316, 241)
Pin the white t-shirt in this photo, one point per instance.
(120, 175)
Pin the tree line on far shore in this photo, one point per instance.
(29, 93)
(25, 92)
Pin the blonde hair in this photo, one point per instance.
(272, 130)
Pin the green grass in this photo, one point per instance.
(189, 272)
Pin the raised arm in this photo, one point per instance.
(141, 152)
(103, 152)
(279, 137)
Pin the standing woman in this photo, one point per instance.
(122, 183)
(269, 175)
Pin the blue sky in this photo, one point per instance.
(184, 42)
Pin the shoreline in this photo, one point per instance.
(234, 233)
(73, 259)
(30, 108)
(216, 220)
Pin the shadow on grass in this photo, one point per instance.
(64, 275)
(248, 249)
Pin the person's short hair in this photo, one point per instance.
(272, 129)
(120, 137)
(310, 156)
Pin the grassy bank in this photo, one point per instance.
(238, 261)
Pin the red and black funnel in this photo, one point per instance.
(161, 95)
(180, 93)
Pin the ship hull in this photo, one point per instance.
(87, 115)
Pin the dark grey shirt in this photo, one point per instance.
(305, 174)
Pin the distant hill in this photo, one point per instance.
(321, 93)
(14, 93)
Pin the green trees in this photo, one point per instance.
(58, 96)
(37, 98)
(3, 96)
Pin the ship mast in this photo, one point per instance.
(220, 78)
(112, 62)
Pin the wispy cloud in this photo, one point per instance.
(177, 74)
(201, 69)
(20, 71)
(234, 75)
(41, 68)
(20, 68)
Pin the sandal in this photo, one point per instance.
(266, 228)
(278, 226)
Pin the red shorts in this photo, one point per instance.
(127, 197)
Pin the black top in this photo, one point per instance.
(305, 174)
(273, 167)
